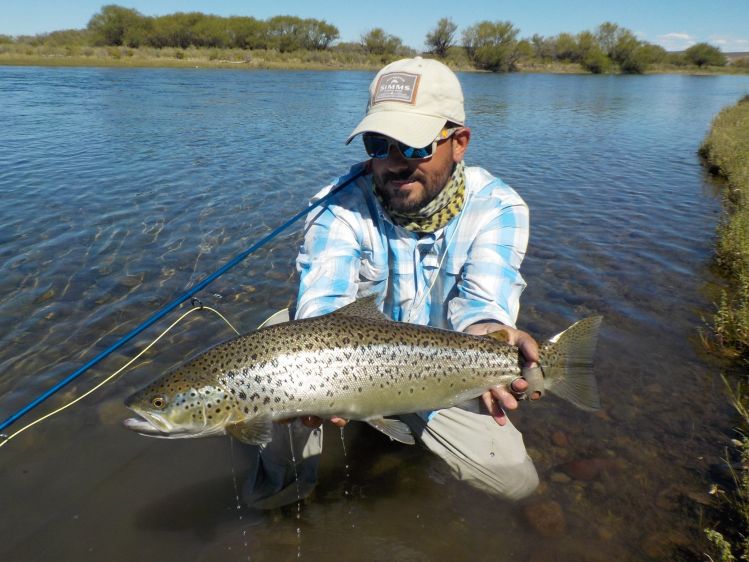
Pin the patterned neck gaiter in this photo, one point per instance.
(439, 211)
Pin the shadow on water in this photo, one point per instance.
(199, 509)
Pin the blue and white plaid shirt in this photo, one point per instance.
(464, 273)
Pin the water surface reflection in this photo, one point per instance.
(124, 187)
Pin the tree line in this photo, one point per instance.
(488, 45)
(118, 26)
(495, 46)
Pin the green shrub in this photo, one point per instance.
(492, 45)
(377, 42)
(442, 37)
(704, 54)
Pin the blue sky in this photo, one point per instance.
(674, 24)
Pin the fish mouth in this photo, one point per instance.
(154, 426)
(148, 427)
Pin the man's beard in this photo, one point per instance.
(396, 203)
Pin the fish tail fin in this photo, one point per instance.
(567, 364)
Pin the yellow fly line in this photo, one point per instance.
(117, 372)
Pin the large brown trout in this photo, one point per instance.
(354, 363)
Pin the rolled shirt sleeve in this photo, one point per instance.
(333, 255)
(490, 283)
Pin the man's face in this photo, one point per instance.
(408, 185)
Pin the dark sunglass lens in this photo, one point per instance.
(376, 147)
(411, 152)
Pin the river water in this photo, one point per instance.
(122, 188)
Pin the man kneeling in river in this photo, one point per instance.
(440, 244)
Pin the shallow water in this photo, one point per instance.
(122, 188)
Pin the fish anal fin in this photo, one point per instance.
(365, 307)
(253, 431)
(395, 429)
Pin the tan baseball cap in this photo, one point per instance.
(410, 100)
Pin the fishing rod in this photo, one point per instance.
(159, 314)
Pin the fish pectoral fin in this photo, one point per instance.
(253, 431)
(395, 429)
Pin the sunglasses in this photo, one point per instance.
(378, 146)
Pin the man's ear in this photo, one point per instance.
(460, 139)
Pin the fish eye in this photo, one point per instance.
(158, 402)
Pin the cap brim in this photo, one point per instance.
(409, 128)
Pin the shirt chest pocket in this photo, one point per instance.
(372, 267)
(453, 265)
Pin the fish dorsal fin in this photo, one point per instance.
(365, 307)
(253, 431)
(395, 429)
(500, 335)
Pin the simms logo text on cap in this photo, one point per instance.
(396, 86)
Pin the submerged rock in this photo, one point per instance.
(586, 470)
(546, 518)
(661, 545)
(559, 439)
(560, 478)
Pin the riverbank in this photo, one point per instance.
(726, 152)
(330, 59)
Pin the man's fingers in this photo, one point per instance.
(493, 408)
(528, 347)
(314, 422)
(338, 422)
(519, 386)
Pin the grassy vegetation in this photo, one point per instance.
(190, 57)
(726, 151)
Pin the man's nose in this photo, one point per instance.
(396, 160)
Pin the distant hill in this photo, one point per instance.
(736, 56)
(732, 57)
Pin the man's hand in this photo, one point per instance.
(500, 398)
